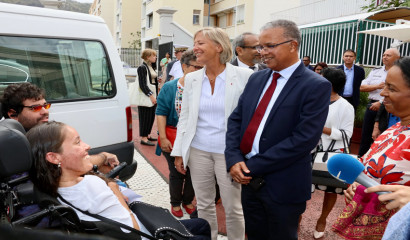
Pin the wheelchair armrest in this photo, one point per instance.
(25, 193)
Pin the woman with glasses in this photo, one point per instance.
(168, 109)
(210, 96)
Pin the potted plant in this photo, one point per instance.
(359, 116)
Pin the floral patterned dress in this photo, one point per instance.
(388, 160)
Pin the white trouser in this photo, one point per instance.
(204, 166)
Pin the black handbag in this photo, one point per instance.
(320, 175)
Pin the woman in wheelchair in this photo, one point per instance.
(61, 167)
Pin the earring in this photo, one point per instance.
(59, 165)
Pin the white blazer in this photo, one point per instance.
(236, 79)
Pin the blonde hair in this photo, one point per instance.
(221, 38)
(148, 52)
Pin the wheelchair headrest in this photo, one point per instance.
(15, 151)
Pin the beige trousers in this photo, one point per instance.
(204, 166)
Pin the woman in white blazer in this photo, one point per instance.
(210, 95)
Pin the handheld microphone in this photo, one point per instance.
(348, 169)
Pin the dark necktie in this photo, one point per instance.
(250, 132)
(252, 67)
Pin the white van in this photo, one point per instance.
(73, 57)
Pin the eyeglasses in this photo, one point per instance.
(270, 47)
(251, 47)
(38, 107)
(197, 67)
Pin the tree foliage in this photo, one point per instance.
(384, 4)
(136, 42)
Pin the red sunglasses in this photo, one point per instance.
(38, 107)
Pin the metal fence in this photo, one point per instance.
(371, 47)
(131, 56)
(326, 43)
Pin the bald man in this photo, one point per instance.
(374, 84)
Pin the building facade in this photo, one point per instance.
(123, 18)
(170, 21)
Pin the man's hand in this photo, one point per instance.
(237, 171)
(166, 145)
(179, 165)
(380, 85)
(375, 106)
(399, 196)
(350, 192)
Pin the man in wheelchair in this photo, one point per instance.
(61, 170)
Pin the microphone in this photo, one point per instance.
(348, 169)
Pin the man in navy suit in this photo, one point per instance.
(306, 62)
(245, 51)
(354, 77)
(275, 168)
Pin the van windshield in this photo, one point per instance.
(66, 69)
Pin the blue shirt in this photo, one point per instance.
(398, 227)
(348, 91)
(393, 120)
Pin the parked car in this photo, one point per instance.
(128, 70)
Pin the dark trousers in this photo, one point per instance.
(146, 116)
(367, 130)
(350, 100)
(198, 227)
(267, 219)
(180, 185)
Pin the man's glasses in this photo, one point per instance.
(251, 47)
(38, 107)
(270, 47)
(197, 67)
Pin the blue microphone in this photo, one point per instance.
(348, 169)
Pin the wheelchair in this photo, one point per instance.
(18, 192)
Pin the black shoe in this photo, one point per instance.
(152, 139)
(148, 143)
(194, 214)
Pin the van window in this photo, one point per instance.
(68, 70)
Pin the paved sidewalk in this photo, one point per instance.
(148, 183)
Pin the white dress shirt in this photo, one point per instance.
(285, 74)
(210, 128)
(376, 76)
(241, 64)
(176, 70)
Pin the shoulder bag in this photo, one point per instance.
(137, 97)
(171, 133)
(320, 175)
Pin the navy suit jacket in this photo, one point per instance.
(358, 77)
(292, 130)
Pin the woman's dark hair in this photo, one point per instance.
(336, 77)
(322, 64)
(404, 65)
(187, 57)
(44, 138)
